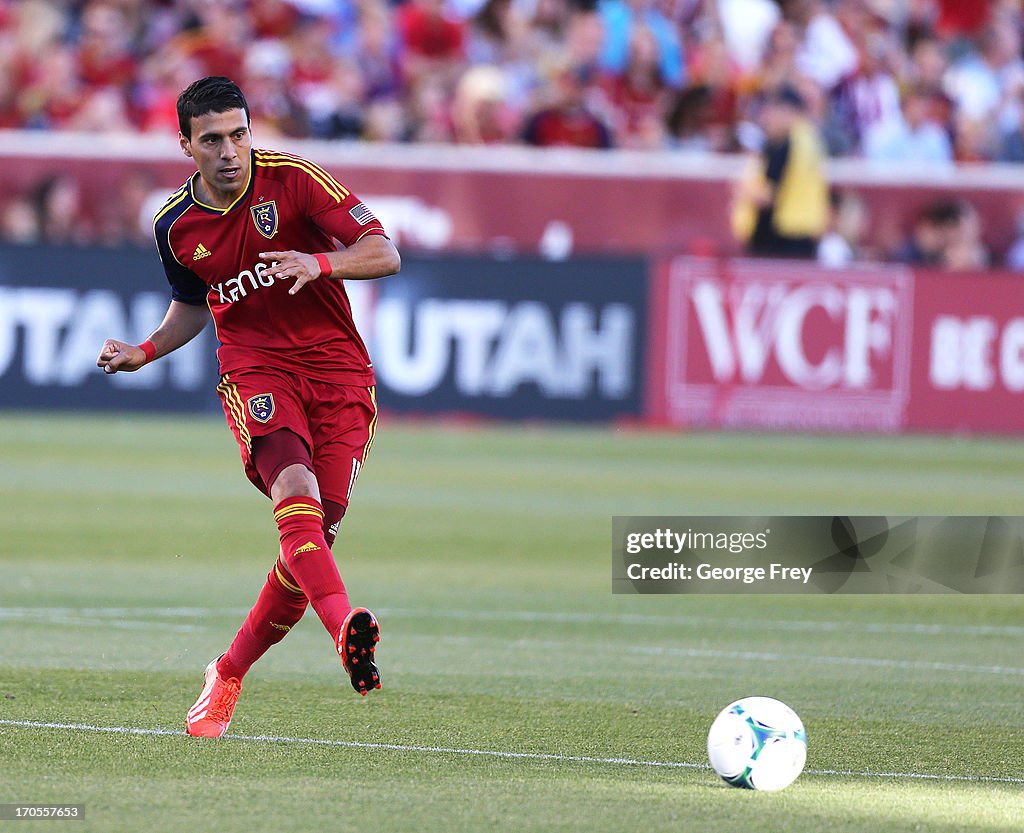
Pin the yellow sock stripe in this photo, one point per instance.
(373, 422)
(286, 515)
(323, 172)
(234, 402)
(280, 577)
(289, 511)
(325, 180)
(300, 503)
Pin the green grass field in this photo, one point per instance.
(520, 694)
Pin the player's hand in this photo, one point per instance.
(120, 355)
(299, 265)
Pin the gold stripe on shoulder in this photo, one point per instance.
(319, 168)
(325, 180)
(172, 201)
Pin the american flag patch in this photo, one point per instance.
(361, 214)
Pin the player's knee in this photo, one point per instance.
(295, 480)
(284, 464)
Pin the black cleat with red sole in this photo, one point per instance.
(356, 645)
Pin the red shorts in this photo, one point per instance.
(335, 421)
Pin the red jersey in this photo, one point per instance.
(211, 256)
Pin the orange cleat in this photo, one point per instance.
(356, 645)
(211, 714)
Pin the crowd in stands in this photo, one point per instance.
(909, 82)
(929, 80)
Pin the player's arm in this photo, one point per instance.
(372, 256)
(182, 323)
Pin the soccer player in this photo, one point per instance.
(249, 240)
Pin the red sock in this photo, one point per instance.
(305, 552)
(279, 606)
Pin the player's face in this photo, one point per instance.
(220, 145)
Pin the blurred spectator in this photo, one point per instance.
(781, 203)
(746, 26)
(840, 245)
(714, 74)
(216, 37)
(637, 94)
(272, 18)
(106, 56)
(620, 18)
(497, 33)
(1015, 254)
(929, 235)
(869, 97)
(961, 18)
(19, 222)
(272, 91)
(378, 53)
(583, 41)
(548, 28)
(965, 248)
(946, 235)
(567, 120)
(925, 70)
(911, 137)
(60, 216)
(480, 114)
(128, 216)
(779, 66)
(1011, 143)
(163, 76)
(983, 86)
(432, 41)
(688, 120)
(826, 53)
(10, 114)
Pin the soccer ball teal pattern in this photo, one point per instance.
(757, 743)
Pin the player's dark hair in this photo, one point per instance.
(213, 94)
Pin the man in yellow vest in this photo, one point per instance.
(781, 203)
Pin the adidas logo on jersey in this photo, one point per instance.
(201, 252)
(309, 546)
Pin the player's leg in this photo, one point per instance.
(251, 404)
(304, 550)
(281, 602)
(301, 518)
(342, 424)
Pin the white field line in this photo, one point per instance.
(864, 662)
(812, 625)
(488, 753)
(549, 645)
(46, 614)
(153, 618)
(92, 619)
(815, 625)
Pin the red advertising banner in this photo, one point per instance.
(785, 344)
(969, 353)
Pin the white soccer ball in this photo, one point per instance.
(757, 743)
